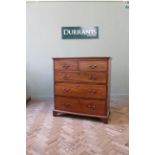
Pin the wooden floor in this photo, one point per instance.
(73, 135)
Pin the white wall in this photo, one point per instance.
(44, 22)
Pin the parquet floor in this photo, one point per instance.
(73, 135)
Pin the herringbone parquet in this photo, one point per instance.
(73, 135)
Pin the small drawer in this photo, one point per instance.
(93, 65)
(67, 104)
(93, 107)
(66, 65)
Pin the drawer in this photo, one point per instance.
(92, 77)
(80, 90)
(93, 107)
(93, 65)
(67, 104)
(65, 65)
(66, 76)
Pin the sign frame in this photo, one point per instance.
(78, 32)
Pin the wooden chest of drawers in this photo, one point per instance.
(82, 86)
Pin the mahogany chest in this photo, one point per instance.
(82, 86)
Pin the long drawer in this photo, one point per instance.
(86, 106)
(80, 90)
(90, 77)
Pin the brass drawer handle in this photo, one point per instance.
(92, 107)
(66, 66)
(88, 105)
(92, 91)
(92, 66)
(66, 90)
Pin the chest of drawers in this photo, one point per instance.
(82, 86)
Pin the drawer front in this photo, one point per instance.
(80, 90)
(67, 104)
(66, 76)
(92, 77)
(93, 107)
(93, 65)
(66, 65)
(85, 106)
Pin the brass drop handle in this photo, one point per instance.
(88, 105)
(92, 107)
(66, 66)
(92, 91)
(66, 90)
(93, 66)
